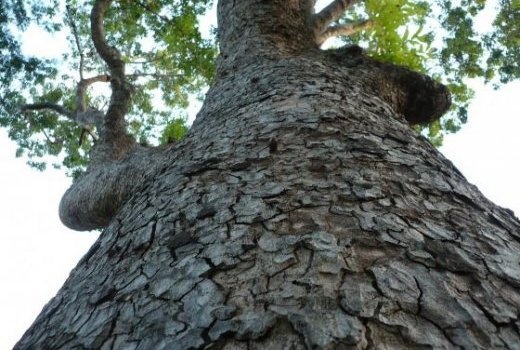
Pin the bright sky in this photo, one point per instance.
(37, 252)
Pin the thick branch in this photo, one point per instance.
(114, 122)
(108, 53)
(334, 11)
(413, 95)
(97, 195)
(84, 117)
(343, 30)
(49, 106)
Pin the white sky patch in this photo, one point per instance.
(208, 22)
(36, 42)
(484, 19)
(36, 251)
(487, 148)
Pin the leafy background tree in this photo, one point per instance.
(40, 133)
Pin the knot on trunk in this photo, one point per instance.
(416, 96)
(97, 195)
(93, 200)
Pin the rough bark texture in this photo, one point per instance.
(301, 211)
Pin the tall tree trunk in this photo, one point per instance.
(301, 211)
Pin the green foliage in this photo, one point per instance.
(440, 38)
(503, 44)
(174, 131)
(393, 38)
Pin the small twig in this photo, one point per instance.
(149, 58)
(49, 139)
(155, 13)
(92, 133)
(74, 30)
(30, 121)
(143, 62)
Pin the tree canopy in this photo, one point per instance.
(50, 108)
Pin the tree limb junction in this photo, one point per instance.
(343, 30)
(331, 13)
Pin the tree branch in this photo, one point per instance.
(74, 30)
(48, 138)
(343, 30)
(82, 116)
(85, 119)
(334, 11)
(111, 126)
(63, 111)
(81, 90)
(108, 53)
(49, 106)
(114, 121)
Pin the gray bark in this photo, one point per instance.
(301, 211)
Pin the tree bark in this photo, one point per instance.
(301, 211)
